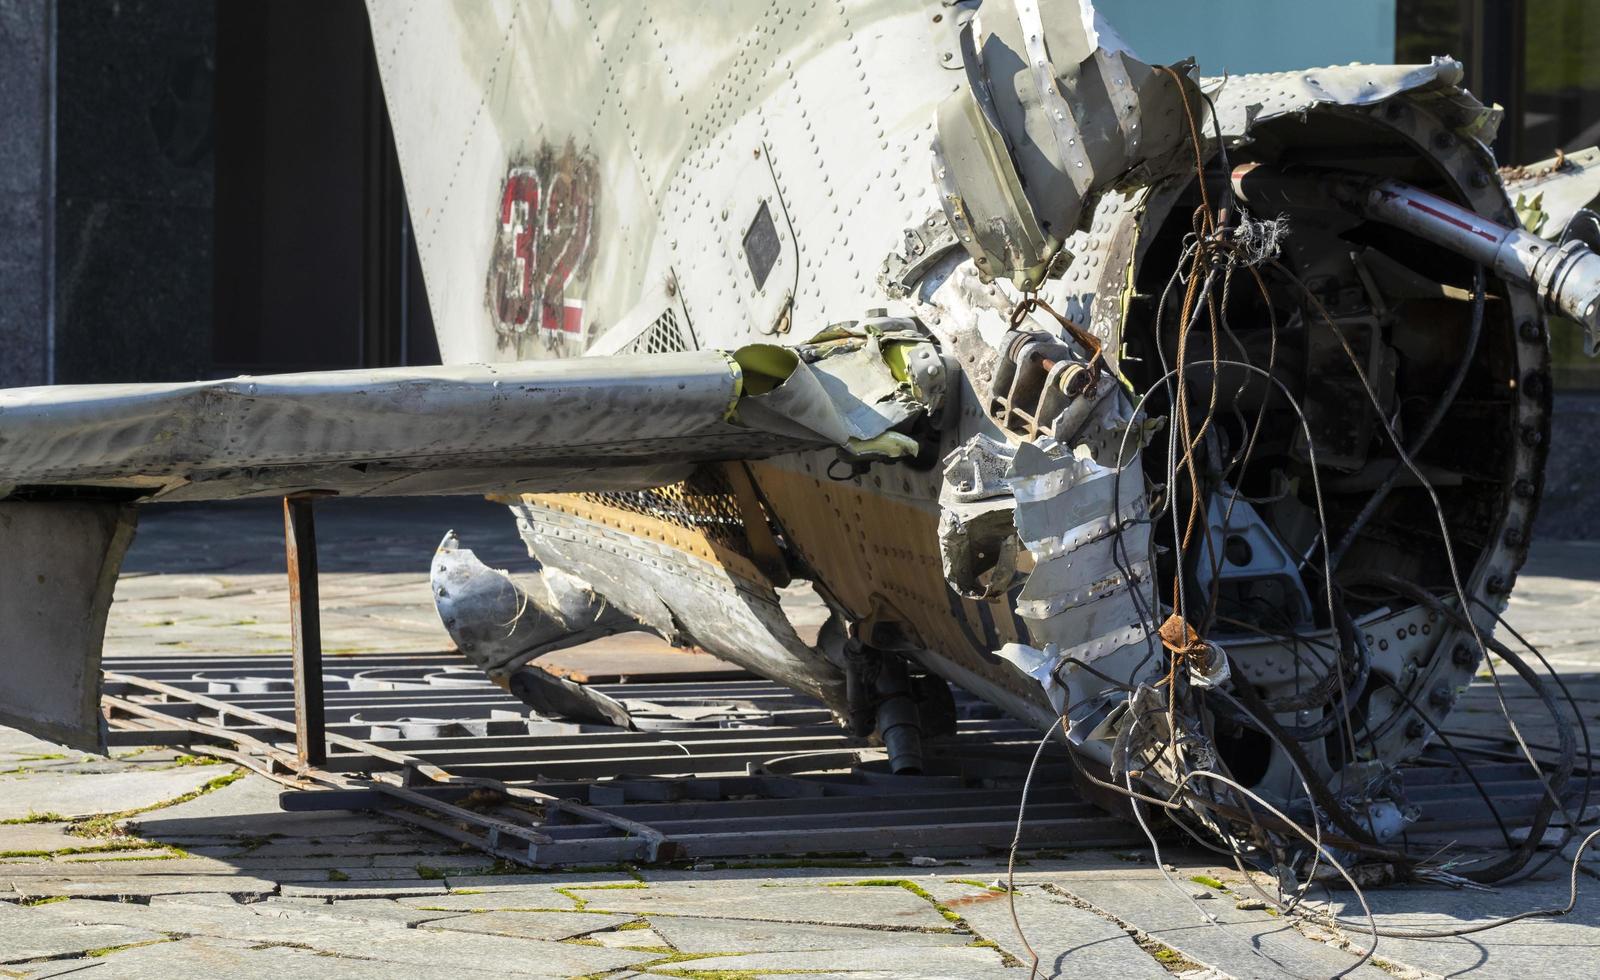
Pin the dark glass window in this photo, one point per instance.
(1561, 76)
(1424, 28)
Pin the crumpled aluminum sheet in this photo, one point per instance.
(1561, 191)
(1050, 78)
(1079, 597)
(976, 520)
(501, 626)
(1077, 600)
(860, 383)
(1242, 101)
(840, 388)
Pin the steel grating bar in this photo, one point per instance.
(932, 839)
(704, 788)
(896, 817)
(655, 813)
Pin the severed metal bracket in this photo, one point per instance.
(925, 244)
(765, 551)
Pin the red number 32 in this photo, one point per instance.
(543, 241)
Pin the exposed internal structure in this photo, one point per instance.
(1198, 424)
(1268, 557)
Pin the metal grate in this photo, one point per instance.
(704, 502)
(730, 767)
(663, 337)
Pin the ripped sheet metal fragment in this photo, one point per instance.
(1550, 194)
(1084, 526)
(853, 386)
(502, 626)
(1079, 598)
(1056, 110)
(1243, 102)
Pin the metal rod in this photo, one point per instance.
(305, 619)
(1565, 277)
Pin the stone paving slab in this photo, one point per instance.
(350, 910)
(893, 975)
(400, 888)
(814, 872)
(293, 872)
(206, 958)
(21, 942)
(76, 763)
(249, 808)
(204, 899)
(948, 961)
(116, 864)
(633, 936)
(887, 907)
(402, 864)
(1070, 941)
(106, 855)
(531, 925)
(1247, 945)
(702, 935)
(38, 837)
(132, 886)
(19, 747)
(495, 900)
(353, 848)
(476, 951)
(440, 860)
(87, 794)
(1568, 946)
(20, 865)
(213, 920)
(548, 879)
(65, 923)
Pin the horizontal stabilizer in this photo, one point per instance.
(599, 423)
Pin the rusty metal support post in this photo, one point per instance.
(300, 546)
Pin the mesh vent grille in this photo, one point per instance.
(663, 337)
(704, 502)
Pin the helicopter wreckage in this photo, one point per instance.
(1202, 425)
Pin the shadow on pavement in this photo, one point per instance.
(396, 534)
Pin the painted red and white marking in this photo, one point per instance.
(542, 246)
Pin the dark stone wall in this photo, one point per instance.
(134, 189)
(24, 191)
(292, 170)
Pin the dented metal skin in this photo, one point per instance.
(839, 208)
(870, 537)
